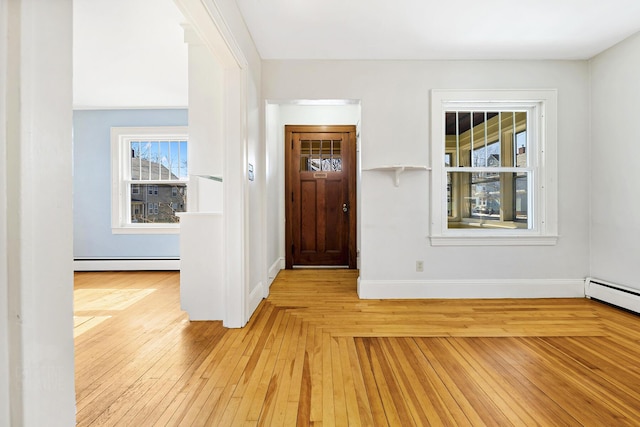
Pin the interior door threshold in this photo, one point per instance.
(321, 266)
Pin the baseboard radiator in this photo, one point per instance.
(611, 293)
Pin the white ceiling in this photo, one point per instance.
(130, 53)
(438, 29)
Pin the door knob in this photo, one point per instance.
(345, 208)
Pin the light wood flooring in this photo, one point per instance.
(314, 354)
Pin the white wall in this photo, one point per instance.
(257, 202)
(394, 221)
(4, 279)
(615, 189)
(279, 114)
(274, 192)
(37, 241)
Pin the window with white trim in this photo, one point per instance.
(149, 171)
(494, 167)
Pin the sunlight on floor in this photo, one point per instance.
(87, 301)
(82, 324)
(107, 299)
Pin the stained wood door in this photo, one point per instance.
(320, 196)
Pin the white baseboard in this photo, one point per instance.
(517, 288)
(275, 268)
(125, 264)
(255, 297)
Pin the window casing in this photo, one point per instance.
(149, 171)
(494, 168)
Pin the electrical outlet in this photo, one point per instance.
(419, 266)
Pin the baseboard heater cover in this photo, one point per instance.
(612, 293)
(125, 264)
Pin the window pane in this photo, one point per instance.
(514, 137)
(154, 159)
(184, 170)
(305, 155)
(485, 196)
(135, 149)
(521, 197)
(320, 155)
(336, 156)
(158, 203)
(449, 196)
(325, 155)
(521, 147)
(165, 172)
(314, 159)
(487, 199)
(174, 159)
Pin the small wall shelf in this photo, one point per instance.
(398, 170)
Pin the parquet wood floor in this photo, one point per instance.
(314, 354)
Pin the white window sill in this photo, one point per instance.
(138, 229)
(513, 240)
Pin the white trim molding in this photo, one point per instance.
(255, 297)
(126, 264)
(275, 268)
(494, 241)
(503, 288)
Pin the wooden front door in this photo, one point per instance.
(320, 195)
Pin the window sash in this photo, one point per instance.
(500, 205)
(467, 141)
(153, 193)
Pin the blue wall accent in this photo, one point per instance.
(92, 237)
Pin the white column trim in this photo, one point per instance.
(5, 383)
(37, 243)
(207, 21)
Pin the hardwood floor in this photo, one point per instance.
(314, 354)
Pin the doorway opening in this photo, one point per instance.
(278, 114)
